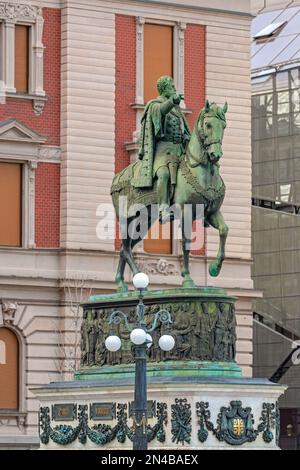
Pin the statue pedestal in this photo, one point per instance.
(90, 415)
(197, 396)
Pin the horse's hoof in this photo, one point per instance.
(122, 288)
(214, 269)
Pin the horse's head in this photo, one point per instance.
(210, 127)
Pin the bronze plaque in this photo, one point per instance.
(64, 412)
(103, 411)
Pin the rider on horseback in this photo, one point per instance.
(164, 138)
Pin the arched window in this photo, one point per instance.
(9, 370)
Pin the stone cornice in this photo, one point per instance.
(241, 7)
(233, 7)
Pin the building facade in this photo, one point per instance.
(276, 202)
(75, 77)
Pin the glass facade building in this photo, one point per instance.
(276, 207)
(276, 196)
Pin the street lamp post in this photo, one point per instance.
(142, 340)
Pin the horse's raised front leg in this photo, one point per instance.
(216, 220)
(186, 244)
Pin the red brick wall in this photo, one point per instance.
(125, 91)
(194, 81)
(125, 86)
(47, 205)
(48, 124)
(194, 70)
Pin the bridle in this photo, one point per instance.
(200, 137)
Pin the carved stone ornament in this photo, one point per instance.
(16, 11)
(21, 421)
(162, 266)
(8, 311)
(38, 106)
(49, 153)
(13, 418)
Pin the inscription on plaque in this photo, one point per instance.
(151, 407)
(64, 412)
(103, 411)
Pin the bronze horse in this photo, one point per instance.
(198, 182)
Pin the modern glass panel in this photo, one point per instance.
(288, 14)
(282, 81)
(289, 51)
(270, 51)
(292, 15)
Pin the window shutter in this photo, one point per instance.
(158, 61)
(159, 239)
(158, 56)
(10, 204)
(9, 371)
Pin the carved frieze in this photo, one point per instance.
(204, 331)
(18, 11)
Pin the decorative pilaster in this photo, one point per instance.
(179, 33)
(139, 98)
(9, 56)
(140, 60)
(37, 56)
(30, 206)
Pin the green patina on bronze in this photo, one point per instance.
(175, 169)
(100, 434)
(181, 422)
(235, 424)
(203, 326)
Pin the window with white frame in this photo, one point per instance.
(20, 149)
(170, 52)
(22, 52)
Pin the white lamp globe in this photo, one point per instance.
(138, 336)
(113, 343)
(149, 340)
(166, 342)
(140, 281)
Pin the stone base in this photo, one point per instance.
(184, 413)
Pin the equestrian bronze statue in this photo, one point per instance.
(176, 170)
